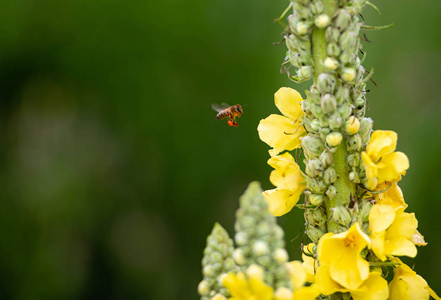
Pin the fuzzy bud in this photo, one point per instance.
(283, 293)
(327, 159)
(365, 129)
(335, 121)
(316, 110)
(260, 248)
(364, 210)
(342, 94)
(302, 28)
(354, 143)
(313, 96)
(354, 159)
(324, 131)
(203, 288)
(239, 257)
(241, 238)
(312, 146)
(280, 255)
(330, 175)
(333, 50)
(314, 233)
(322, 21)
(325, 83)
(255, 271)
(324, 123)
(330, 63)
(316, 217)
(348, 74)
(331, 192)
(334, 139)
(315, 125)
(352, 125)
(360, 102)
(305, 72)
(344, 110)
(316, 199)
(353, 176)
(328, 103)
(316, 185)
(343, 19)
(341, 216)
(314, 168)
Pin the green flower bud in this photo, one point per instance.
(347, 39)
(325, 83)
(365, 129)
(312, 146)
(203, 288)
(330, 63)
(239, 256)
(324, 131)
(344, 110)
(291, 43)
(280, 255)
(335, 122)
(314, 233)
(331, 192)
(348, 74)
(330, 175)
(359, 113)
(302, 28)
(360, 102)
(316, 110)
(314, 168)
(293, 58)
(342, 94)
(241, 238)
(316, 217)
(316, 199)
(315, 125)
(260, 248)
(307, 123)
(333, 50)
(364, 210)
(313, 96)
(324, 122)
(328, 103)
(209, 271)
(354, 143)
(341, 216)
(346, 57)
(354, 159)
(334, 139)
(353, 176)
(305, 72)
(322, 21)
(319, 7)
(292, 22)
(335, 35)
(315, 185)
(327, 159)
(343, 20)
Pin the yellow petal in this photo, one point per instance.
(373, 288)
(281, 201)
(281, 161)
(280, 133)
(288, 102)
(378, 245)
(382, 142)
(381, 217)
(237, 285)
(400, 246)
(324, 283)
(392, 166)
(406, 284)
(260, 290)
(306, 293)
(289, 177)
(369, 166)
(404, 225)
(297, 273)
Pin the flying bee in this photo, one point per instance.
(228, 111)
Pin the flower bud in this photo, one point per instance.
(316, 199)
(346, 57)
(316, 217)
(322, 21)
(283, 293)
(371, 183)
(354, 143)
(334, 139)
(327, 159)
(333, 50)
(331, 192)
(343, 19)
(341, 216)
(364, 210)
(344, 110)
(312, 146)
(239, 256)
(218, 296)
(302, 28)
(359, 113)
(316, 110)
(280, 255)
(354, 159)
(241, 238)
(324, 131)
(360, 102)
(325, 83)
(315, 125)
(293, 58)
(315, 185)
(292, 22)
(342, 94)
(305, 72)
(346, 40)
(255, 271)
(209, 271)
(324, 123)
(313, 96)
(291, 44)
(314, 233)
(328, 103)
(335, 35)
(330, 63)
(365, 129)
(203, 288)
(353, 176)
(335, 121)
(348, 74)
(314, 168)
(330, 175)
(352, 125)
(307, 123)
(260, 248)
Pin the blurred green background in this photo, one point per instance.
(112, 165)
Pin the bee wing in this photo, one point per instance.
(221, 107)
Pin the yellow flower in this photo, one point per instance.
(380, 160)
(242, 289)
(283, 132)
(289, 180)
(408, 285)
(374, 287)
(393, 195)
(392, 231)
(299, 276)
(342, 253)
(309, 263)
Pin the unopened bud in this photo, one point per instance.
(328, 103)
(344, 110)
(333, 50)
(335, 35)
(325, 83)
(341, 216)
(314, 233)
(315, 185)
(314, 168)
(316, 199)
(343, 19)
(331, 192)
(316, 110)
(353, 176)
(241, 238)
(280, 255)
(354, 159)
(305, 72)
(335, 121)
(334, 139)
(360, 102)
(352, 125)
(316, 217)
(324, 123)
(218, 296)
(260, 248)
(327, 159)
(255, 271)
(324, 131)
(354, 143)
(203, 288)
(313, 96)
(322, 21)
(239, 256)
(312, 146)
(283, 293)
(342, 94)
(330, 175)
(365, 129)
(331, 63)
(348, 74)
(209, 271)
(302, 28)
(364, 210)
(315, 125)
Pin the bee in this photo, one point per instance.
(228, 111)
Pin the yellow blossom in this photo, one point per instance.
(289, 180)
(299, 276)
(393, 195)
(408, 285)
(309, 262)
(283, 132)
(342, 253)
(242, 289)
(392, 231)
(380, 160)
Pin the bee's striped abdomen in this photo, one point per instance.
(223, 114)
